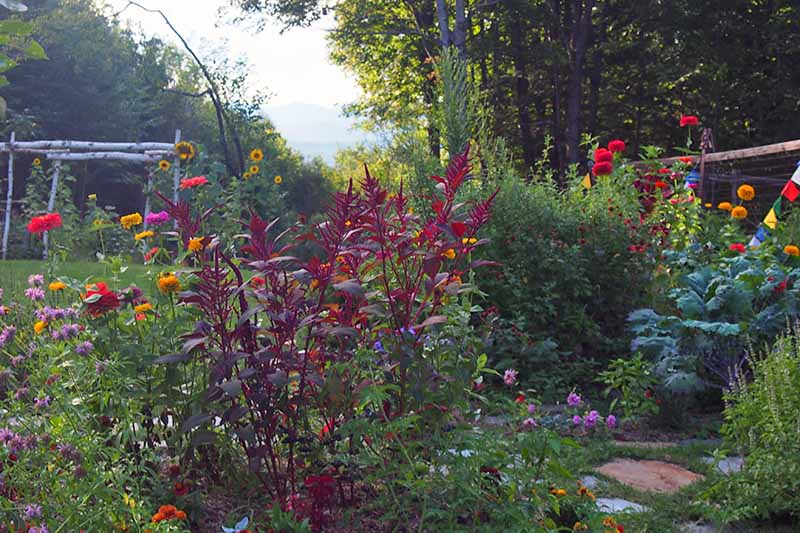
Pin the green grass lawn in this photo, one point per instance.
(14, 274)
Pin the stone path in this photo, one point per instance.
(656, 476)
(618, 505)
(727, 466)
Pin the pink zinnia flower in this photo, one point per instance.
(510, 377)
(573, 400)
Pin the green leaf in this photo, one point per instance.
(35, 51)
(16, 27)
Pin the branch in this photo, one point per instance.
(207, 92)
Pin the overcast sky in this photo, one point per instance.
(294, 67)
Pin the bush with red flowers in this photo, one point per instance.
(616, 146)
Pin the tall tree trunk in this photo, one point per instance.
(521, 86)
(460, 30)
(578, 43)
(558, 147)
(444, 23)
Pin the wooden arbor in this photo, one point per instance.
(58, 151)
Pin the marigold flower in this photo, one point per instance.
(579, 526)
(746, 192)
(256, 155)
(169, 283)
(254, 169)
(708, 205)
(141, 308)
(133, 219)
(558, 492)
(604, 168)
(39, 327)
(689, 120)
(185, 150)
(616, 146)
(163, 165)
(57, 286)
(278, 180)
(609, 521)
(739, 212)
(143, 235)
(725, 206)
(191, 183)
(449, 253)
(791, 249)
(195, 244)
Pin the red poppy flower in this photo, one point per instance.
(616, 146)
(603, 168)
(99, 300)
(601, 155)
(44, 223)
(689, 120)
(737, 247)
(191, 183)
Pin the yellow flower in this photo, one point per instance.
(725, 206)
(278, 180)
(92, 197)
(195, 245)
(410, 211)
(254, 169)
(791, 249)
(246, 175)
(39, 327)
(256, 155)
(163, 165)
(579, 527)
(746, 192)
(168, 283)
(128, 221)
(57, 286)
(185, 150)
(471, 240)
(143, 235)
(739, 212)
(449, 253)
(708, 205)
(609, 521)
(558, 492)
(130, 502)
(37, 162)
(141, 308)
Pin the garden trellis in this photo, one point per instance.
(59, 151)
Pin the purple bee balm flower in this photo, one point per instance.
(36, 280)
(34, 294)
(378, 346)
(611, 421)
(41, 529)
(32, 511)
(84, 348)
(573, 400)
(531, 408)
(510, 377)
(101, 366)
(7, 335)
(590, 420)
(17, 360)
(529, 423)
(41, 402)
(156, 219)
(577, 420)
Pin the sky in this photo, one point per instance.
(293, 67)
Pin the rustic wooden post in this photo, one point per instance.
(176, 172)
(9, 195)
(51, 204)
(148, 190)
(706, 145)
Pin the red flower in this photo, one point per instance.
(149, 255)
(661, 185)
(520, 398)
(737, 247)
(620, 528)
(99, 300)
(648, 394)
(604, 168)
(190, 183)
(44, 223)
(180, 489)
(616, 146)
(664, 171)
(689, 120)
(686, 159)
(601, 155)
(780, 287)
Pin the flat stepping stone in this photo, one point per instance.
(698, 527)
(590, 482)
(727, 466)
(645, 445)
(656, 476)
(618, 505)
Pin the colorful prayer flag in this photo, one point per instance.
(791, 191)
(771, 219)
(587, 181)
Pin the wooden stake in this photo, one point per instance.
(176, 172)
(9, 197)
(51, 204)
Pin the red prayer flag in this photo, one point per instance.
(791, 191)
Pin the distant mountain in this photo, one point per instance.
(315, 130)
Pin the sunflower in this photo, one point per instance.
(37, 162)
(739, 212)
(246, 175)
(256, 155)
(163, 165)
(254, 169)
(746, 192)
(278, 180)
(185, 150)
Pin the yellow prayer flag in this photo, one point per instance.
(771, 220)
(587, 181)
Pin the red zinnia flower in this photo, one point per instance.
(99, 300)
(689, 120)
(737, 247)
(616, 146)
(601, 155)
(686, 159)
(604, 168)
(520, 398)
(44, 223)
(664, 170)
(191, 183)
(661, 185)
(180, 489)
(149, 255)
